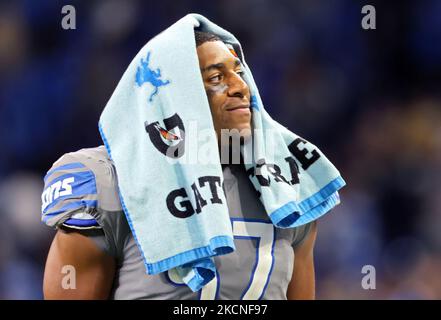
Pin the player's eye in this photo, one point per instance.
(215, 78)
(240, 73)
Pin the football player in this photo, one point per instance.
(81, 200)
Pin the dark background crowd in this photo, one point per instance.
(370, 99)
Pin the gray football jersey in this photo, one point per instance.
(81, 192)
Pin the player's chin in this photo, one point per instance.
(242, 128)
(241, 123)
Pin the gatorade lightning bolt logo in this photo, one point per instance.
(167, 135)
(168, 139)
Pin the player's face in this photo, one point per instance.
(228, 94)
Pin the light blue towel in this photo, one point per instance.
(171, 190)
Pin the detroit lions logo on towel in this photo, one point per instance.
(144, 74)
(170, 140)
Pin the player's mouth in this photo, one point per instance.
(239, 108)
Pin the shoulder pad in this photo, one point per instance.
(76, 186)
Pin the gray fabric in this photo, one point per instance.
(235, 270)
(97, 161)
(300, 234)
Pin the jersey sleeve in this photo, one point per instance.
(81, 193)
(75, 187)
(70, 195)
(300, 234)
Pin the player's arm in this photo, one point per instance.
(302, 285)
(72, 203)
(93, 268)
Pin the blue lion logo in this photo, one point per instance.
(144, 74)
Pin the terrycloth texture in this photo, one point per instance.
(175, 206)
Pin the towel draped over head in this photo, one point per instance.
(172, 192)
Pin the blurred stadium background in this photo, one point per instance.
(369, 99)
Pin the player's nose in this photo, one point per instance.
(237, 86)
